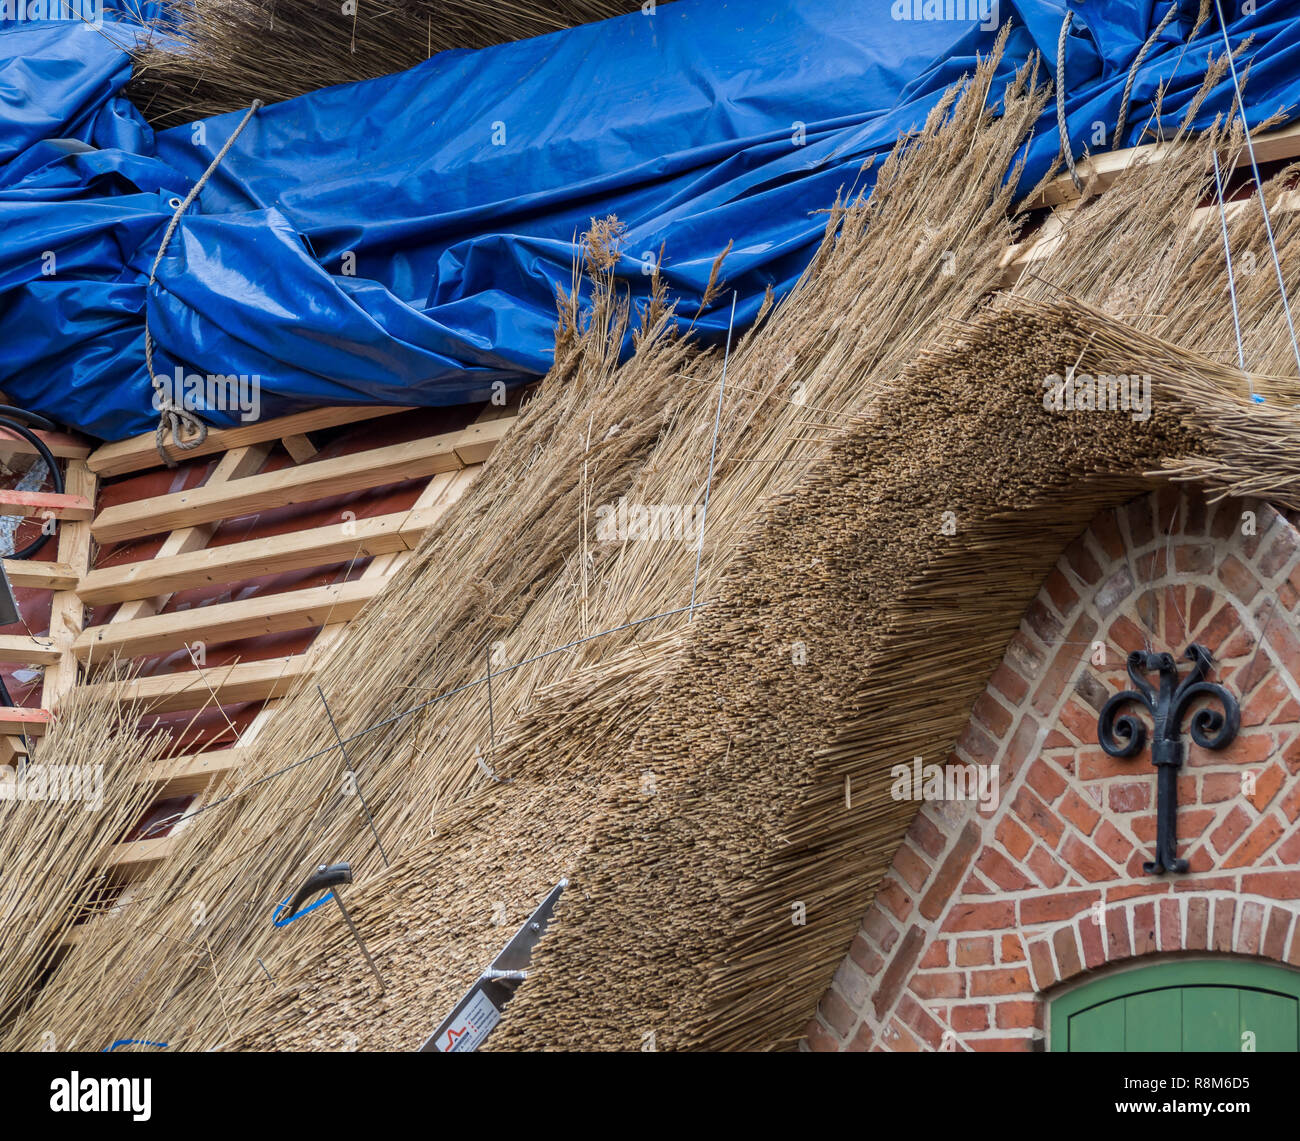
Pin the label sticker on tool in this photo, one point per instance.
(470, 1026)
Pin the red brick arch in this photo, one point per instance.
(984, 910)
(1187, 921)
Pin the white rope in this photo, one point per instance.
(1060, 100)
(1132, 73)
(1259, 185)
(175, 417)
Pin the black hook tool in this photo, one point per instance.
(325, 877)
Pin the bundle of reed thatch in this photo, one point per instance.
(516, 562)
(853, 416)
(677, 922)
(60, 811)
(217, 58)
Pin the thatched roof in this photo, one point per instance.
(220, 58)
(883, 393)
(678, 917)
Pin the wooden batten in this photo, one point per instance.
(226, 621)
(141, 452)
(1037, 249)
(41, 576)
(62, 445)
(24, 650)
(1098, 172)
(46, 505)
(187, 775)
(135, 858)
(225, 685)
(318, 479)
(17, 720)
(316, 546)
(300, 447)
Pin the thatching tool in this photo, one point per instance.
(474, 1016)
(327, 877)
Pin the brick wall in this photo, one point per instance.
(983, 910)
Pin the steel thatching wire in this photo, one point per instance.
(1259, 182)
(1227, 258)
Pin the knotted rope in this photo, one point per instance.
(173, 417)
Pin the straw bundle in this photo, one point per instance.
(872, 401)
(79, 794)
(516, 563)
(677, 922)
(241, 50)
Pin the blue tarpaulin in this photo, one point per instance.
(400, 240)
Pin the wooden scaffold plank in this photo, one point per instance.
(447, 452)
(141, 452)
(226, 621)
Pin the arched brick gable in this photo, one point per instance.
(984, 910)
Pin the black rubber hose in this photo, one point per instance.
(12, 425)
(33, 418)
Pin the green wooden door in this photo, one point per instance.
(1182, 1007)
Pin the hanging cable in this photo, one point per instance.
(1259, 184)
(9, 422)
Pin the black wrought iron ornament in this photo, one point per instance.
(1125, 736)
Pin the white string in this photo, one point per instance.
(1232, 280)
(1259, 184)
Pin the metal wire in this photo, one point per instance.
(1232, 280)
(1259, 183)
(717, 421)
(395, 718)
